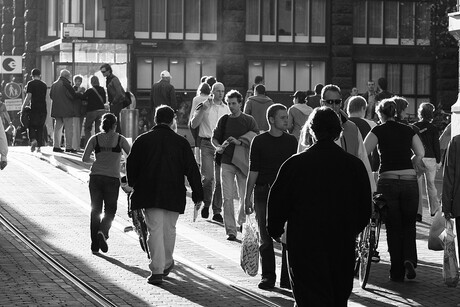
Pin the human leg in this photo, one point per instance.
(284, 278)
(76, 137)
(96, 195)
(228, 177)
(68, 131)
(111, 190)
(217, 194)
(241, 186)
(409, 201)
(431, 191)
(420, 195)
(90, 119)
(58, 124)
(154, 218)
(169, 231)
(207, 170)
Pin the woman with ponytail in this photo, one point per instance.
(104, 178)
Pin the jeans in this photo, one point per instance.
(67, 123)
(228, 173)
(92, 117)
(161, 239)
(402, 202)
(210, 172)
(36, 127)
(431, 191)
(102, 190)
(267, 254)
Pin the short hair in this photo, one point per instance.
(324, 124)
(203, 79)
(386, 108)
(204, 88)
(426, 111)
(36, 72)
(94, 81)
(318, 88)
(310, 92)
(330, 87)
(65, 73)
(213, 87)
(77, 77)
(164, 114)
(369, 81)
(258, 79)
(106, 66)
(108, 121)
(211, 80)
(383, 84)
(356, 104)
(401, 105)
(260, 89)
(234, 94)
(273, 109)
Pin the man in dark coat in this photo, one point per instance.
(324, 194)
(163, 92)
(156, 167)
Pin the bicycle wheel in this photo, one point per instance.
(143, 237)
(366, 248)
(357, 258)
(141, 230)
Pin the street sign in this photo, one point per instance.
(71, 30)
(13, 90)
(11, 64)
(13, 104)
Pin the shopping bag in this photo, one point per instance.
(249, 258)
(435, 238)
(450, 265)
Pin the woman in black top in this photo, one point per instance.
(400, 148)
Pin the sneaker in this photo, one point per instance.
(231, 237)
(266, 284)
(218, 218)
(102, 242)
(57, 149)
(375, 257)
(205, 212)
(94, 248)
(410, 270)
(71, 150)
(168, 269)
(39, 150)
(33, 145)
(155, 279)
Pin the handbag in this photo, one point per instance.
(128, 99)
(25, 117)
(218, 156)
(249, 258)
(435, 238)
(450, 265)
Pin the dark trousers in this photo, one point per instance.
(116, 109)
(36, 128)
(402, 201)
(103, 191)
(267, 254)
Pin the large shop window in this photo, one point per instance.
(392, 22)
(300, 21)
(287, 76)
(412, 81)
(176, 19)
(89, 12)
(186, 72)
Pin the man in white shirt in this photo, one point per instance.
(206, 116)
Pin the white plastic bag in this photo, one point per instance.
(450, 265)
(249, 258)
(435, 238)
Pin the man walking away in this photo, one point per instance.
(163, 92)
(257, 106)
(156, 169)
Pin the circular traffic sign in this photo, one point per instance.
(13, 90)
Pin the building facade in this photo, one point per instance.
(294, 44)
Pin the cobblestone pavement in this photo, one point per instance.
(52, 207)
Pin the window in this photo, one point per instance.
(186, 72)
(412, 81)
(287, 76)
(89, 12)
(392, 22)
(302, 21)
(176, 19)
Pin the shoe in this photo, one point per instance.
(94, 248)
(102, 242)
(419, 218)
(410, 270)
(155, 279)
(39, 150)
(205, 212)
(58, 149)
(285, 285)
(71, 150)
(231, 238)
(266, 284)
(168, 269)
(218, 218)
(33, 145)
(375, 257)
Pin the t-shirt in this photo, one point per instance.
(236, 127)
(268, 153)
(394, 144)
(38, 90)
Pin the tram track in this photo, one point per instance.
(86, 288)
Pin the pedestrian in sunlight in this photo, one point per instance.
(104, 178)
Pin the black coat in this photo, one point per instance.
(156, 167)
(325, 196)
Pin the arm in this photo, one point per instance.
(125, 145)
(119, 92)
(364, 157)
(418, 149)
(250, 183)
(193, 175)
(370, 142)
(248, 107)
(26, 101)
(290, 121)
(198, 113)
(88, 150)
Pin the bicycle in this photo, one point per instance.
(137, 218)
(368, 240)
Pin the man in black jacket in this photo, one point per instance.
(156, 167)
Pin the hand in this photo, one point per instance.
(448, 215)
(3, 165)
(438, 166)
(248, 206)
(277, 239)
(233, 140)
